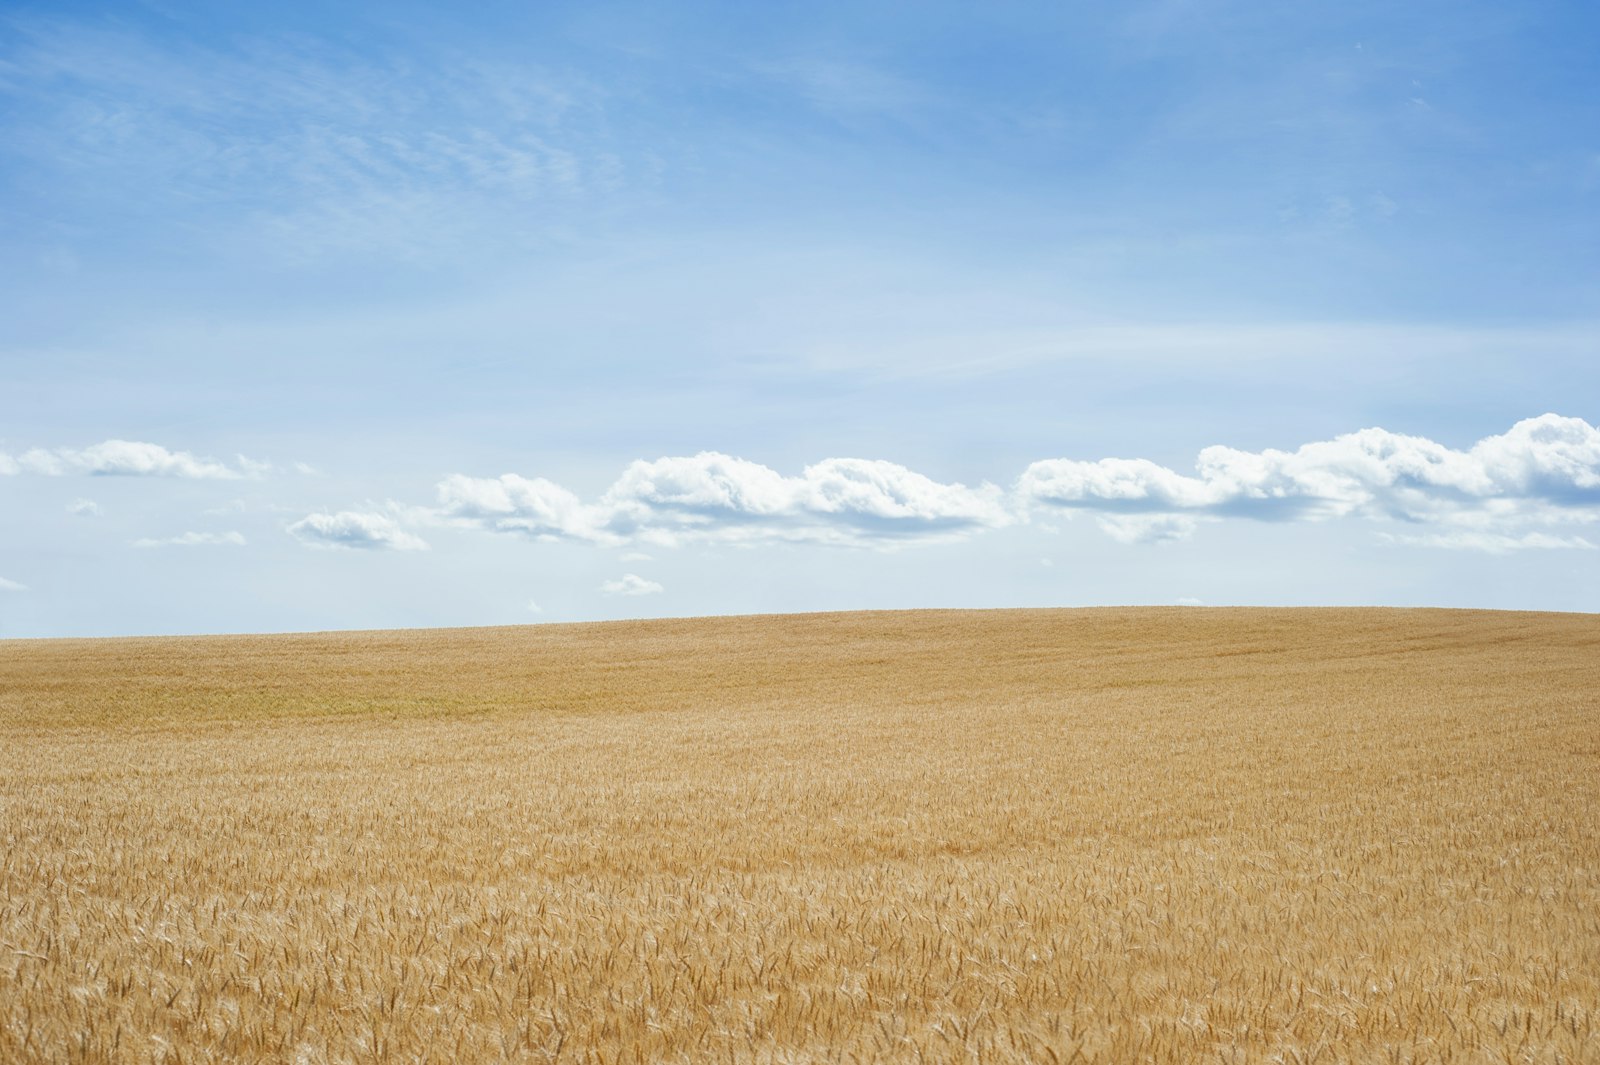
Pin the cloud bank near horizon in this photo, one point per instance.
(1542, 471)
(1522, 489)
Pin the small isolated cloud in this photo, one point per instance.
(194, 539)
(84, 508)
(353, 529)
(11, 586)
(1493, 543)
(631, 584)
(1189, 600)
(129, 458)
(1147, 528)
(637, 556)
(534, 607)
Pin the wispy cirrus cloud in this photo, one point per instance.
(848, 88)
(7, 585)
(194, 539)
(128, 458)
(317, 145)
(1491, 542)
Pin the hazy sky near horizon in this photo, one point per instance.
(348, 316)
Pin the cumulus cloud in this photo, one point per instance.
(84, 508)
(1540, 469)
(353, 529)
(531, 506)
(128, 458)
(712, 496)
(11, 586)
(194, 539)
(631, 584)
(1497, 495)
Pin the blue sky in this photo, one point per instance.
(335, 316)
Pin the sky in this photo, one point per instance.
(332, 316)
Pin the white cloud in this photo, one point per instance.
(194, 539)
(531, 506)
(631, 584)
(129, 458)
(1189, 600)
(11, 586)
(1537, 469)
(352, 529)
(1541, 471)
(534, 607)
(84, 508)
(8, 465)
(1147, 528)
(712, 496)
(637, 556)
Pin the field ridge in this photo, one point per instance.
(1170, 834)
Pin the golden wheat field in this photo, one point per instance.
(1047, 836)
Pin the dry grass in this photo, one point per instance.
(1236, 835)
